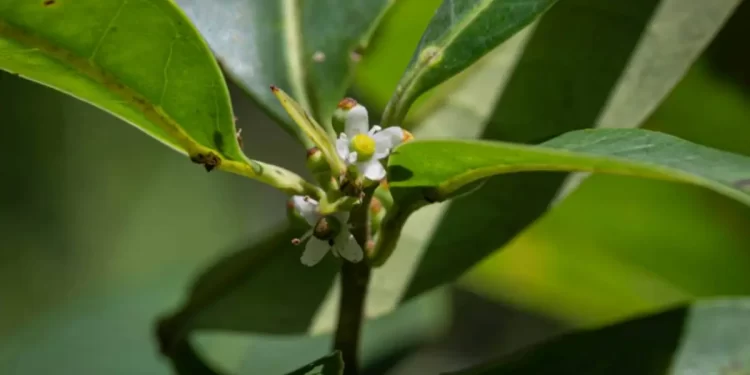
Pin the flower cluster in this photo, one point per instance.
(361, 148)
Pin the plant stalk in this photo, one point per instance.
(355, 279)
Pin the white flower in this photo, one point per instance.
(342, 244)
(362, 148)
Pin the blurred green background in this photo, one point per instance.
(103, 228)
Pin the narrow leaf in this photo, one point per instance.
(311, 129)
(440, 168)
(307, 48)
(706, 337)
(461, 31)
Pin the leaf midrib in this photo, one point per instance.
(180, 141)
(641, 169)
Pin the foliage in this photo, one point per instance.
(530, 79)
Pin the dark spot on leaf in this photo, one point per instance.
(398, 173)
(48, 2)
(219, 141)
(209, 160)
(278, 172)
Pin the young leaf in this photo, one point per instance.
(311, 129)
(141, 61)
(706, 337)
(308, 48)
(632, 53)
(461, 31)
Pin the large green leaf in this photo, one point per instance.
(459, 34)
(618, 56)
(706, 337)
(428, 171)
(140, 60)
(307, 48)
(436, 169)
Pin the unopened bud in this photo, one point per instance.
(340, 114)
(407, 136)
(316, 163)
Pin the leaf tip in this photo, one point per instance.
(274, 89)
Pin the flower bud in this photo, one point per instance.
(340, 114)
(316, 162)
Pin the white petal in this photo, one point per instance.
(356, 121)
(389, 137)
(307, 208)
(372, 169)
(315, 250)
(348, 248)
(352, 158)
(342, 146)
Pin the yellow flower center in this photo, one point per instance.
(364, 146)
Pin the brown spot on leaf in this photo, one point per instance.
(49, 3)
(274, 88)
(209, 160)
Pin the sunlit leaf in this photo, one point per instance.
(142, 61)
(460, 32)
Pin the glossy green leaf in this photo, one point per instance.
(599, 73)
(307, 48)
(329, 365)
(706, 337)
(459, 34)
(437, 169)
(141, 61)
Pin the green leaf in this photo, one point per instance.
(422, 172)
(440, 168)
(618, 57)
(307, 48)
(314, 132)
(459, 34)
(141, 61)
(706, 337)
(331, 364)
